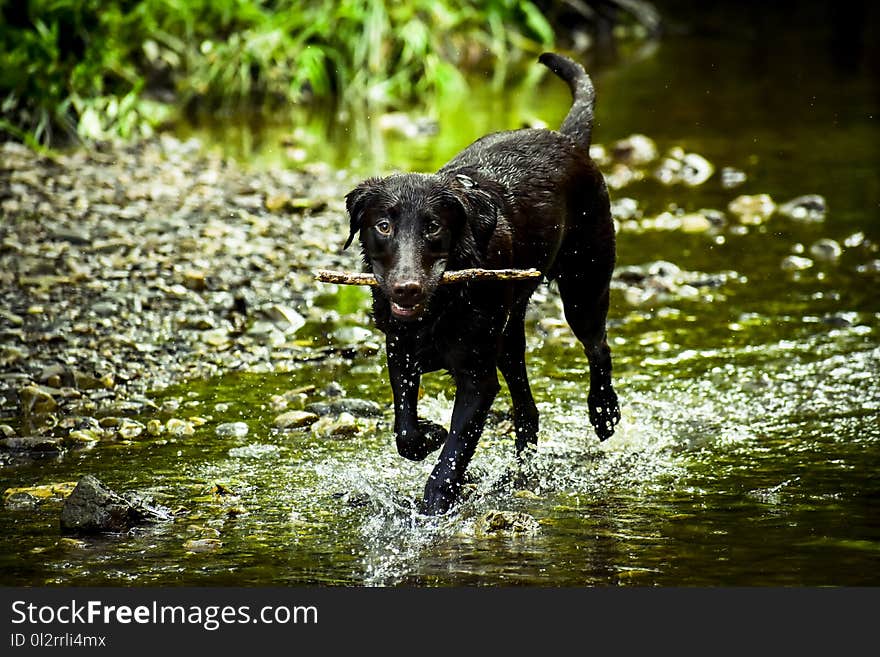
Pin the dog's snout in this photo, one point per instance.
(408, 291)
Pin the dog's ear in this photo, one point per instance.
(476, 205)
(356, 202)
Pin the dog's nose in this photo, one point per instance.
(407, 292)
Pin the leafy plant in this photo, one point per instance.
(99, 69)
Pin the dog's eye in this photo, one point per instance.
(383, 227)
(433, 228)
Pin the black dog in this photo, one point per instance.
(518, 199)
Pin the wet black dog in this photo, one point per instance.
(521, 199)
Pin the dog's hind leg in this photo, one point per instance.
(512, 363)
(586, 309)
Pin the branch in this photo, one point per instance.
(458, 276)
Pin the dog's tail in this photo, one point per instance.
(579, 123)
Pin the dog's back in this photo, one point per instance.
(546, 175)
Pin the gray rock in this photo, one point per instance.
(357, 407)
(36, 444)
(94, 508)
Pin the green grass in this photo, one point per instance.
(97, 69)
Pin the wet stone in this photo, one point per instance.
(752, 209)
(694, 223)
(352, 405)
(85, 436)
(202, 545)
(334, 389)
(343, 426)
(826, 249)
(506, 523)
(810, 207)
(295, 419)
(635, 150)
(30, 496)
(625, 208)
(232, 430)
(94, 508)
(255, 451)
(796, 263)
(32, 444)
(36, 400)
(679, 167)
(731, 177)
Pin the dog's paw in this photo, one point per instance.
(439, 496)
(415, 445)
(604, 412)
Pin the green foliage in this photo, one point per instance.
(97, 68)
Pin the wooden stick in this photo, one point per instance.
(458, 276)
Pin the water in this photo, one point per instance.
(750, 441)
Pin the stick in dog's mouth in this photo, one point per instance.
(449, 277)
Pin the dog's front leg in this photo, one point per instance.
(415, 438)
(473, 399)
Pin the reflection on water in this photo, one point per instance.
(750, 438)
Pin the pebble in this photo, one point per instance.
(810, 207)
(129, 429)
(295, 419)
(352, 405)
(343, 426)
(232, 430)
(287, 318)
(636, 150)
(625, 208)
(695, 223)
(731, 177)
(36, 400)
(203, 545)
(255, 451)
(689, 169)
(752, 209)
(178, 427)
(826, 249)
(85, 435)
(796, 263)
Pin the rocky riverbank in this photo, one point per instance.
(126, 269)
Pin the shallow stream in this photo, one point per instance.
(749, 447)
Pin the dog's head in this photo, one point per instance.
(411, 226)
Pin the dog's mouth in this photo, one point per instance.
(402, 311)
